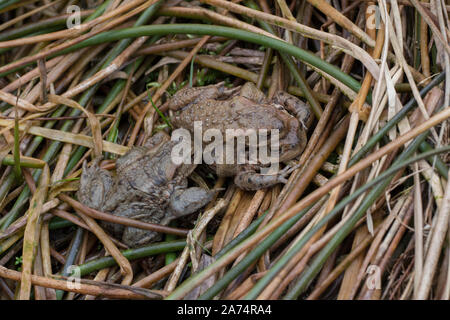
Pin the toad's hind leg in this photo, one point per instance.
(182, 202)
(134, 237)
(295, 106)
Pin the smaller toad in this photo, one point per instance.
(147, 186)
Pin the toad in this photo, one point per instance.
(148, 186)
(249, 109)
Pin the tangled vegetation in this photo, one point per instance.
(365, 214)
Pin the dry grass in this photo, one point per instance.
(319, 236)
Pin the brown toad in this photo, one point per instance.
(147, 186)
(250, 109)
